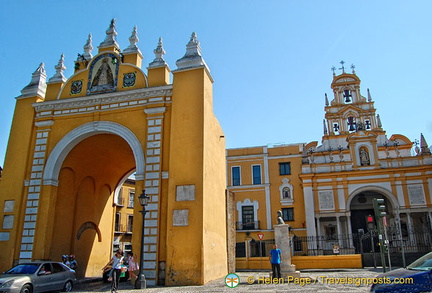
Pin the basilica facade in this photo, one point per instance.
(325, 190)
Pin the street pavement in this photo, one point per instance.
(338, 280)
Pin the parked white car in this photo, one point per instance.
(34, 277)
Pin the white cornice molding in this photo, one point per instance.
(93, 100)
(44, 123)
(157, 110)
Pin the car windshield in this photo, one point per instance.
(424, 263)
(23, 269)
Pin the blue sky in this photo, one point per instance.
(271, 60)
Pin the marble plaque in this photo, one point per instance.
(8, 221)
(180, 217)
(416, 194)
(8, 206)
(185, 193)
(326, 200)
(4, 236)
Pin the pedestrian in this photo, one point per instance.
(116, 262)
(73, 264)
(65, 260)
(275, 260)
(336, 249)
(132, 265)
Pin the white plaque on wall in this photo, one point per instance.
(8, 221)
(8, 206)
(180, 217)
(185, 192)
(326, 200)
(416, 195)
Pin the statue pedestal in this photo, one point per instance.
(281, 233)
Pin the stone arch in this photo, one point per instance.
(86, 226)
(388, 195)
(70, 140)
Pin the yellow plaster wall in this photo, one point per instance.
(184, 259)
(16, 170)
(294, 180)
(194, 137)
(214, 206)
(158, 76)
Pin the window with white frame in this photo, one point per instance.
(131, 198)
(247, 215)
(286, 192)
(130, 223)
(256, 174)
(235, 174)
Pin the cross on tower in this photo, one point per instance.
(343, 68)
(333, 69)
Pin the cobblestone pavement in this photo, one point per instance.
(344, 280)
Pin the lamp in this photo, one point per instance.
(143, 199)
(141, 282)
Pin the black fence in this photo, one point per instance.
(413, 243)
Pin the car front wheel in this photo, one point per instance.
(26, 289)
(67, 287)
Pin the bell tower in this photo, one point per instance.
(349, 111)
(351, 124)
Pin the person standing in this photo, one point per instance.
(73, 264)
(116, 262)
(275, 260)
(132, 265)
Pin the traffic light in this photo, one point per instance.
(379, 208)
(370, 222)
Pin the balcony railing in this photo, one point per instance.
(248, 225)
(123, 228)
(119, 228)
(120, 201)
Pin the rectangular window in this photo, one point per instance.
(131, 198)
(130, 223)
(235, 176)
(256, 173)
(285, 168)
(248, 217)
(117, 222)
(288, 214)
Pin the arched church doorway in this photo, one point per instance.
(84, 214)
(361, 208)
(364, 223)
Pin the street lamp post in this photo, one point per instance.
(141, 282)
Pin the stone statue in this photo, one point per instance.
(280, 220)
(364, 157)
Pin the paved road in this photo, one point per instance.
(349, 280)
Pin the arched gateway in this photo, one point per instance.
(73, 141)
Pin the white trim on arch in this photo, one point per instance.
(70, 140)
(389, 195)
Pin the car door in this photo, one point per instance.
(43, 279)
(58, 275)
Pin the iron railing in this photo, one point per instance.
(248, 225)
